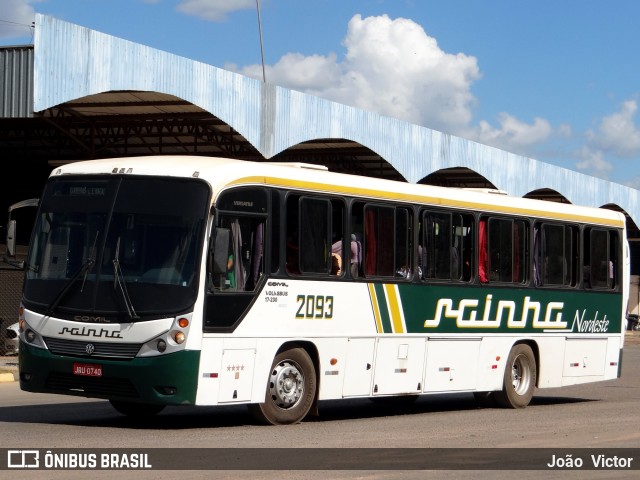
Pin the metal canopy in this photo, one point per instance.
(133, 123)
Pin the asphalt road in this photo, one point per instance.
(597, 416)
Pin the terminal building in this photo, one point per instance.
(79, 94)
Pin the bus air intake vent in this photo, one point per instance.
(106, 387)
(74, 348)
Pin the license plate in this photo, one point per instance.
(87, 369)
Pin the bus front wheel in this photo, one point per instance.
(291, 389)
(519, 378)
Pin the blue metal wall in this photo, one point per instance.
(72, 61)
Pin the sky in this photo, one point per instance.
(557, 81)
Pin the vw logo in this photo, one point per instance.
(89, 348)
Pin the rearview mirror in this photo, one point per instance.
(11, 239)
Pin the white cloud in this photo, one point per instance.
(394, 68)
(593, 163)
(17, 18)
(213, 10)
(391, 67)
(311, 74)
(618, 134)
(513, 134)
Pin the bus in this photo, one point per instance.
(184, 280)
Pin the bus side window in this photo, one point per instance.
(315, 233)
(340, 260)
(255, 256)
(292, 251)
(504, 258)
(291, 263)
(403, 257)
(446, 246)
(483, 254)
(218, 257)
(554, 257)
(379, 249)
(466, 241)
(439, 245)
(238, 253)
(600, 258)
(357, 243)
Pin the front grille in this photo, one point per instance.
(91, 386)
(77, 348)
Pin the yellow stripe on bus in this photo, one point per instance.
(376, 308)
(391, 292)
(422, 199)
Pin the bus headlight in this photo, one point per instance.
(179, 337)
(30, 336)
(161, 345)
(170, 341)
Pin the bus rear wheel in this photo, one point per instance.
(291, 389)
(519, 378)
(134, 409)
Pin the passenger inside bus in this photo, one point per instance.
(336, 264)
(355, 254)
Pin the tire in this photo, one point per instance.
(520, 378)
(485, 399)
(291, 389)
(133, 409)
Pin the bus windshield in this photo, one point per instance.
(117, 248)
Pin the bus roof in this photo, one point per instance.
(223, 173)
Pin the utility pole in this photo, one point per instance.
(264, 75)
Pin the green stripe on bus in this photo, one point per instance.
(384, 308)
(451, 309)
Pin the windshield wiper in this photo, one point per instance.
(91, 257)
(119, 281)
(84, 269)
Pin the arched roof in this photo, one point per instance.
(73, 62)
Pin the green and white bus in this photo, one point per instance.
(181, 280)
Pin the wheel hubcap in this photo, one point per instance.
(520, 375)
(286, 385)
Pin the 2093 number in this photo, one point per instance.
(315, 306)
